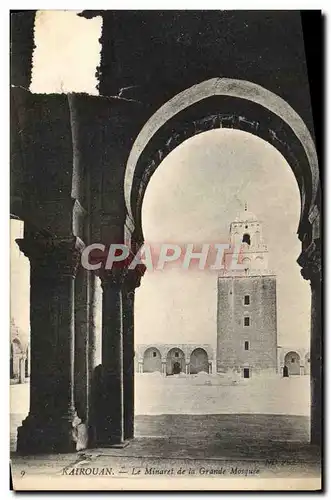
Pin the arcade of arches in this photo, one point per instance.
(19, 355)
(172, 359)
(80, 168)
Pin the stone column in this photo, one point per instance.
(52, 420)
(187, 368)
(110, 418)
(311, 262)
(94, 293)
(164, 368)
(81, 344)
(128, 359)
(132, 281)
(316, 360)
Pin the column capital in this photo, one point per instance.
(128, 279)
(112, 278)
(311, 262)
(52, 256)
(133, 277)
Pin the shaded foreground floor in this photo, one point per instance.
(222, 428)
(213, 430)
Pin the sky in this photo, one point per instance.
(192, 197)
(67, 52)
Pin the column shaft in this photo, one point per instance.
(81, 344)
(310, 260)
(316, 364)
(128, 362)
(110, 421)
(94, 354)
(51, 422)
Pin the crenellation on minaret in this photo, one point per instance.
(247, 246)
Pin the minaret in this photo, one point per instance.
(246, 306)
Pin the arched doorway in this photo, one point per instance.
(292, 361)
(222, 103)
(16, 356)
(152, 360)
(175, 361)
(199, 361)
(230, 104)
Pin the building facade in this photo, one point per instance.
(246, 305)
(172, 359)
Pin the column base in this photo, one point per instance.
(50, 436)
(107, 435)
(120, 445)
(129, 433)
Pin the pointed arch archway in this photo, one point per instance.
(243, 105)
(199, 361)
(292, 361)
(222, 103)
(175, 363)
(152, 360)
(16, 355)
(247, 106)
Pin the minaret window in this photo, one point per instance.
(247, 239)
(247, 300)
(246, 345)
(246, 321)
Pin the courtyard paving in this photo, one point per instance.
(184, 424)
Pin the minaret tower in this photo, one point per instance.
(246, 306)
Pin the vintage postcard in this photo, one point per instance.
(166, 276)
